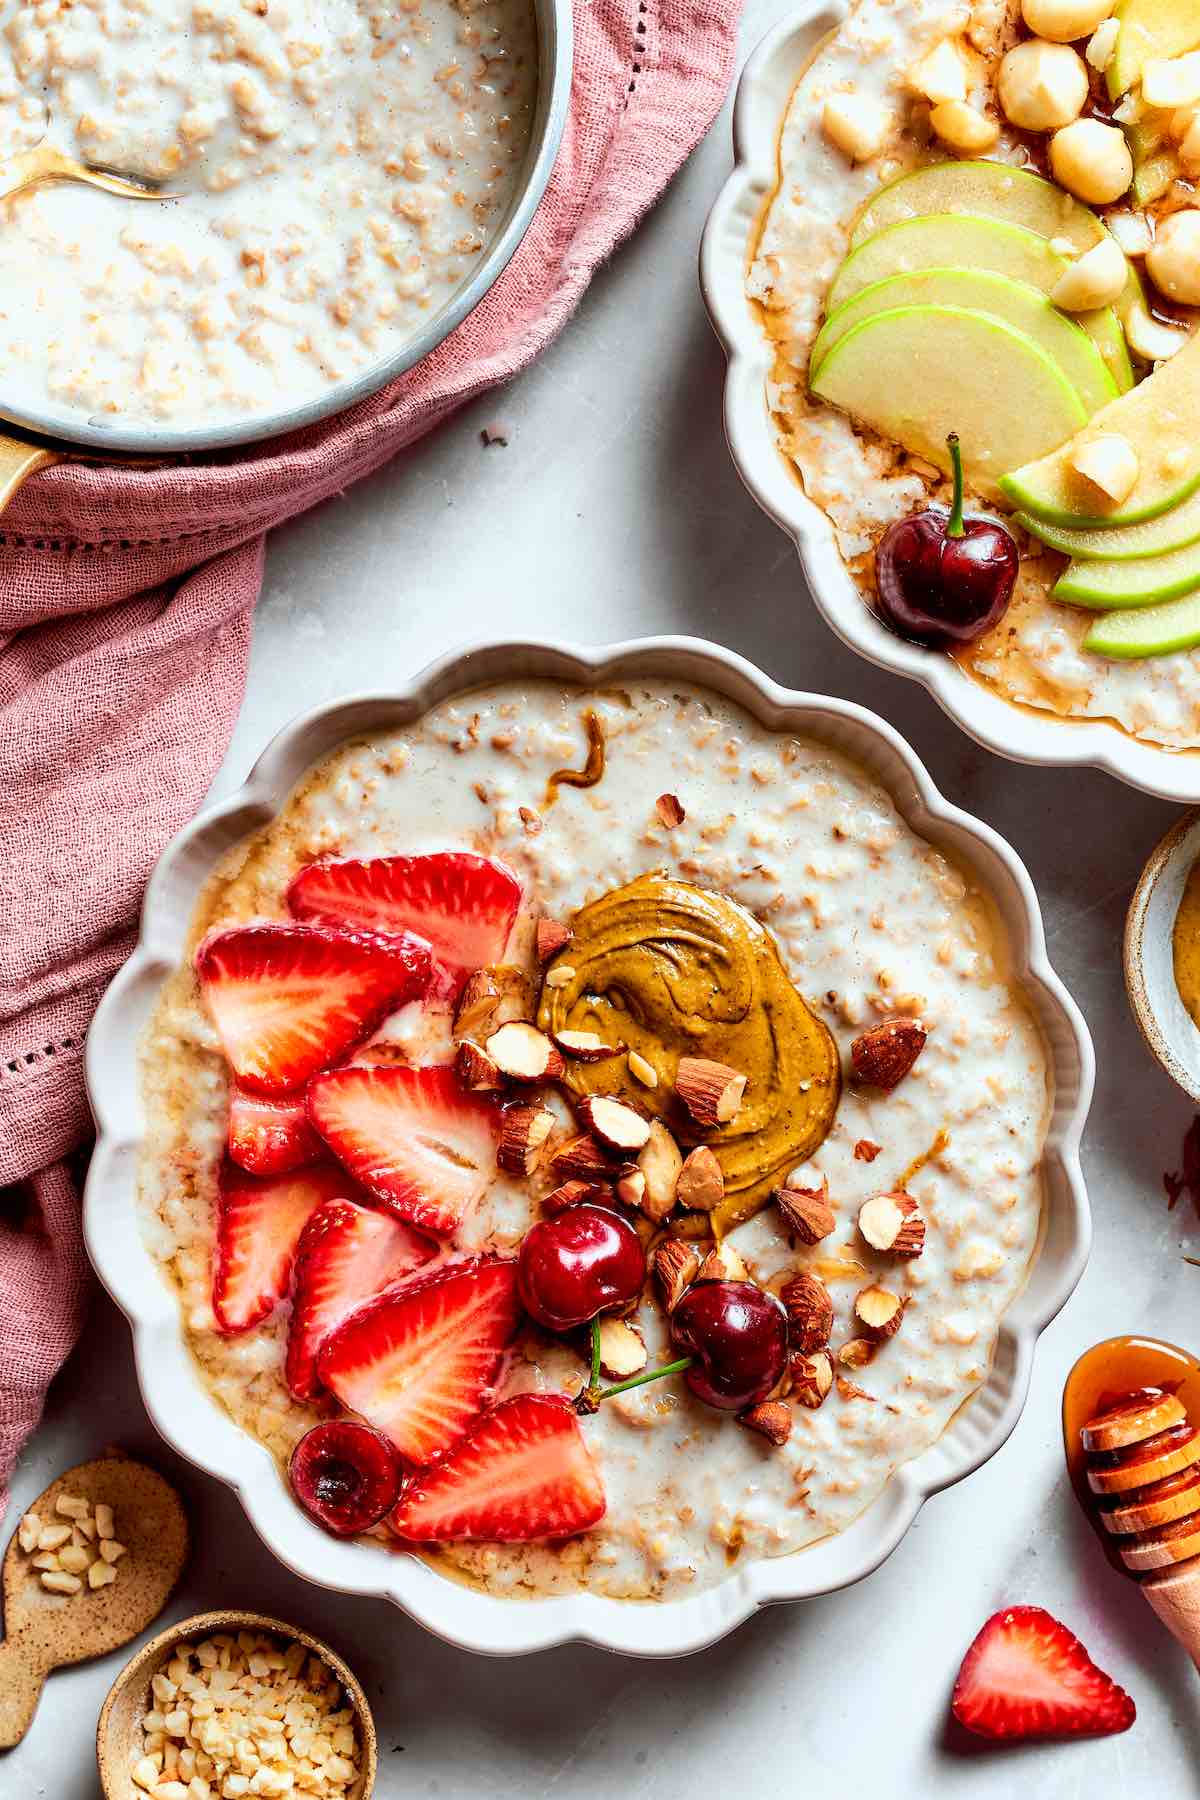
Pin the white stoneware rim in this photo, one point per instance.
(1165, 1022)
(1013, 731)
(195, 1425)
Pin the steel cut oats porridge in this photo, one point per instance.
(872, 924)
(340, 167)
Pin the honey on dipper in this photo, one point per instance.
(1143, 1468)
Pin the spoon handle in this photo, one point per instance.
(23, 1673)
(1175, 1597)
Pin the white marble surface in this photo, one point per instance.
(614, 512)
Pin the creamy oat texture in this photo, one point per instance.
(341, 167)
(1035, 655)
(870, 921)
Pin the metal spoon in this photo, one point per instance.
(47, 164)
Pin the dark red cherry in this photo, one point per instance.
(578, 1264)
(737, 1335)
(345, 1476)
(943, 579)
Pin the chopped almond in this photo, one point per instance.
(550, 937)
(622, 1350)
(491, 998)
(675, 1268)
(670, 812)
(661, 1165)
(641, 1070)
(809, 1308)
(879, 1312)
(882, 1056)
(812, 1378)
(582, 1156)
(585, 1046)
(849, 1391)
(617, 1125)
(723, 1263)
(806, 1211)
(772, 1419)
(523, 1134)
(630, 1185)
(857, 1353)
(701, 1184)
(524, 1053)
(892, 1222)
(575, 1193)
(866, 1151)
(476, 1070)
(711, 1091)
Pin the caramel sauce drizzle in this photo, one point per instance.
(592, 770)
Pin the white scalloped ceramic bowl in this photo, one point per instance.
(725, 255)
(196, 1426)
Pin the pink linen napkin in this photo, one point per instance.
(125, 602)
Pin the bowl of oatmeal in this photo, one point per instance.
(345, 185)
(962, 218)
(576, 1021)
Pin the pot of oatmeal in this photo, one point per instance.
(695, 974)
(346, 183)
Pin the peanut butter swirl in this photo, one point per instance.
(670, 970)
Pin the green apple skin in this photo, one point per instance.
(1015, 302)
(917, 373)
(1157, 631)
(990, 246)
(1150, 29)
(1123, 543)
(988, 189)
(1143, 582)
(1157, 419)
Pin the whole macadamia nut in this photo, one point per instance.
(1042, 86)
(1173, 259)
(1092, 161)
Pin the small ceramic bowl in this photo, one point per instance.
(1165, 1023)
(117, 1733)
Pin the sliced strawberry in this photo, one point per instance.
(1027, 1676)
(288, 1000)
(346, 1256)
(270, 1137)
(462, 903)
(525, 1472)
(258, 1227)
(414, 1138)
(417, 1362)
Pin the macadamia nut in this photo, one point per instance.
(1148, 338)
(1092, 161)
(941, 75)
(963, 129)
(1172, 81)
(857, 125)
(1062, 21)
(1110, 463)
(1096, 279)
(1173, 259)
(1041, 85)
(1102, 45)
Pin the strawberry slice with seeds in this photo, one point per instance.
(524, 1473)
(347, 1255)
(462, 903)
(417, 1363)
(288, 1000)
(271, 1137)
(259, 1223)
(1027, 1676)
(413, 1138)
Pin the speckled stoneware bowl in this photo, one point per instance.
(119, 1727)
(730, 235)
(191, 1420)
(1149, 959)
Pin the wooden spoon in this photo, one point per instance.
(47, 1631)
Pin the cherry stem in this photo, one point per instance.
(954, 524)
(594, 1383)
(590, 1398)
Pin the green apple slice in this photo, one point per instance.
(1144, 582)
(965, 241)
(1150, 29)
(992, 190)
(917, 373)
(1156, 631)
(1170, 531)
(1159, 419)
(1013, 301)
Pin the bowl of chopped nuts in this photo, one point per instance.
(232, 1703)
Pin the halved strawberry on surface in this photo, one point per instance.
(462, 903)
(1027, 1676)
(288, 1000)
(271, 1136)
(259, 1223)
(417, 1363)
(347, 1255)
(524, 1473)
(413, 1138)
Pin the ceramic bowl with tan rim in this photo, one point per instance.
(1165, 1022)
(191, 1418)
(119, 1731)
